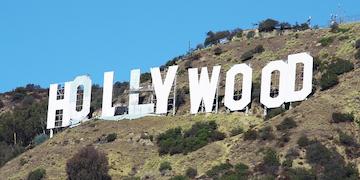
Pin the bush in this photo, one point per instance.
(346, 139)
(37, 174)
(325, 41)
(164, 166)
(357, 44)
(287, 123)
(268, 25)
(274, 112)
(303, 141)
(247, 55)
(191, 172)
(340, 66)
(228, 171)
(88, 163)
(250, 54)
(259, 49)
(217, 51)
(250, 135)
(266, 133)
(357, 54)
(338, 117)
(271, 162)
(111, 137)
(39, 139)
(174, 141)
(328, 80)
(301, 174)
(316, 153)
(218, 170)
(287, 163)
(250, 34)
(236, 131)
(331, 164)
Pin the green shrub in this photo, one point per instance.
(251, 134)
(247, 55)
(303, 141)
(338, 117)
(164, 166)
(236, 131)
(259, 49)
(88, 163)
(346, 140)
(111, 137)
(37, 174)
(228, 171)
(316, 153)
(287, 123)
(357, 44)
(340, 66)
(266, 133)
(217, 51)
(328, 80)
(250, 34)
(285, 138)
(330, 163)
(271, 162)
(287, 163)
(325, 41)
(191, 172)
(40, 139)
(174, 141)
(250, 54)
(318, 65)
(357, 54)
(274, 112)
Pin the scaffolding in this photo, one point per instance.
(150, 91)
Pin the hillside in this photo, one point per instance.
(134, 154)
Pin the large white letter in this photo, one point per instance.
(203, 89)
(265, 98)
(58, 102)
(162, 90)
(107, 109)
(246, 71)
(307, 61)
(134, 107)
(84, 83)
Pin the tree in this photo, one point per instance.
(285, 26)
(88, 164)
(268, 25)
(37, 174)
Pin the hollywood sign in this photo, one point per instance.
(63, 110)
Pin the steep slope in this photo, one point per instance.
(131, 154)
(134, 154)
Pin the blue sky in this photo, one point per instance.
(45, 42)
